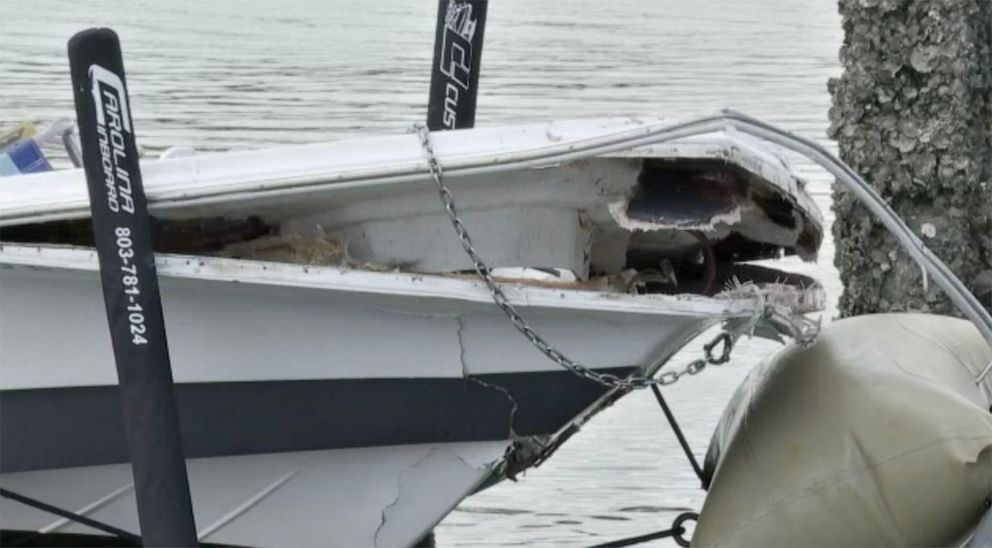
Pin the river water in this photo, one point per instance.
(221, 75)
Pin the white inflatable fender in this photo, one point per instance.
(876, 435)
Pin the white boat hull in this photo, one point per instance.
(357, 405)
(386, 395)
(375, 496)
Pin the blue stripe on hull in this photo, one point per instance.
(81, 426)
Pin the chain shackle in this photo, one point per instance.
(726, 340)
(678, 528)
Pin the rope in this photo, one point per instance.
(676, 531)
(678, 433)
(45, 507)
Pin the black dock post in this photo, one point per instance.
(122, 233)
(457, 59)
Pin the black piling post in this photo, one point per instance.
(457, 58)
(122, 233)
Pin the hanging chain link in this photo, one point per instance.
(500, 299)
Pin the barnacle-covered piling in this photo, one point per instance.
(912, 112)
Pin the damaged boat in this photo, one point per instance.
(342, 375)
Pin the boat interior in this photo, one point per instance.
(684, 226)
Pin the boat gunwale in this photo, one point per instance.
(592, 141)
(390, 284)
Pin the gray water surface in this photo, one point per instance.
(220, 75)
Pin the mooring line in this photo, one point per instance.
(43, 506)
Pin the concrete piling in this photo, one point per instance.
(912, 113)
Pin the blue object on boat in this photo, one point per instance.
(22, 156)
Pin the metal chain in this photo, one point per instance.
(504, 304)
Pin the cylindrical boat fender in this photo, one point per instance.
(876, 435)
